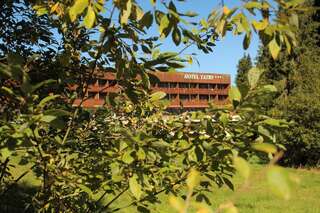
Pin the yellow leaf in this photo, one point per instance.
(135, 187)
(139, 13)
(261, 25)
(163, 24)
(126, 13)
(77, 8)
(274, 48)
(226, 10)
(242, 167)
(228, 208)
(54, 7)
(193, 179)
(90, 18)
(265, 147)
(278, 181)
(176, 203)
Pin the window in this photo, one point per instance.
(102, 82)
(173, 96)
(183, 85)
(222, 97)
(184, 97)
(212, 97)
(204, 97)
(112, 82)
(193, 85)
(212, 86)
(92, 81)
(102, 96)
(163, 85)
(203, 86)
(222, 86)
(194, 97)
(173, 85)
(91, 95)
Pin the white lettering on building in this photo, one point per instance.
(202, 77)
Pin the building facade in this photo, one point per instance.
(184, 90)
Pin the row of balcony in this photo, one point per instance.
(166, 85)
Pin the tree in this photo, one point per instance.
(297, 78)
(85, 160)
(244, 65)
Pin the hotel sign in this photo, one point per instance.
(201, 77)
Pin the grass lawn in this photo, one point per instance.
(257, 198)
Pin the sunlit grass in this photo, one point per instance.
(254, 198)
(257, 198)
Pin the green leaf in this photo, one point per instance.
(135, 187)
(247, 40)
(146, 20)
(242, 167)
(145, 79)
(235, 96)
(254, 76)
(145, 49)
(127, 158)
(47, 99)
(90, 18)
(269, 88)
(41, 10)
(193, 179)
(5, 153)
(141, 154)
(57, 112)
(224, 118)
(86, 189)
(275, 122)
(265, 147)
(157, 96)
(278, 181)
(294, 20)
(253, 5)
(274, 48)
(42, 83)
(164, 23)
(245, 24)
(48, 118)
(77, 8)
(176, 36)
(264, 132)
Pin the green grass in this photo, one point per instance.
(257, 198)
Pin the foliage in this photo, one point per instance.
(87, 159)
(244, 65)
(297, 78)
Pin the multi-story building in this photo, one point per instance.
(184, 90)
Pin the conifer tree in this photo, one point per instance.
(297, 78)
(244, 65)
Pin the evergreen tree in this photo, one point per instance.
(297, 78)
(244, 65)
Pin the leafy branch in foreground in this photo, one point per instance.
(82, 160)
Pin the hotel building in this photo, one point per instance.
(184, 90)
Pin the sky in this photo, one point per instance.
(226, 54)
